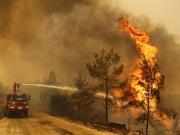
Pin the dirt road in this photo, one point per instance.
(43, 124)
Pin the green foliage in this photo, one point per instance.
(51, 80)
(54, 101)
(80, 81)
(83, 101)
(59, 105)
(100, 68)
(107, 70)
(84, 98)
(46, 93)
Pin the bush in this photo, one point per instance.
(59, 105)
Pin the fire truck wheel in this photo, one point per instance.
(4, 112)
(26, 113)
(8, 114)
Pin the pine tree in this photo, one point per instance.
(107, 70)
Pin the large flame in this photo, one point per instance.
(146, 78)
(142, 40)
(147, 52)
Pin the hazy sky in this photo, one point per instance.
(165, 12)
(37, 36)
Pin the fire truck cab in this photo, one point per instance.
(16, 102)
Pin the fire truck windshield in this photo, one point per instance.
(19, 97)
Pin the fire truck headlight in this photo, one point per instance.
(11, 107)
(27, 106)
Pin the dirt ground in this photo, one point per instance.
(43, 124)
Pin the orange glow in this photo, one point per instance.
(117, 93)
(119, 104)
(164, 116)
(166, 120)
(147, 52)
(144, 84)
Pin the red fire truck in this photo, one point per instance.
(16, 102)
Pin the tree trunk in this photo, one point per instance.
(106, 102)
(106, 105)
(78, 108)
(147, 119)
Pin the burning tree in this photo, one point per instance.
(106, 69)
(146, 78)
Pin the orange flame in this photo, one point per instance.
(142, 40)
(147, 52)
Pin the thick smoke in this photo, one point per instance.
(38, 36)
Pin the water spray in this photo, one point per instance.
(52, 86)
(98, 94)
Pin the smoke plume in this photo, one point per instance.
(38, 36)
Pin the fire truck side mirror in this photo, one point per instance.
(29, 97)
